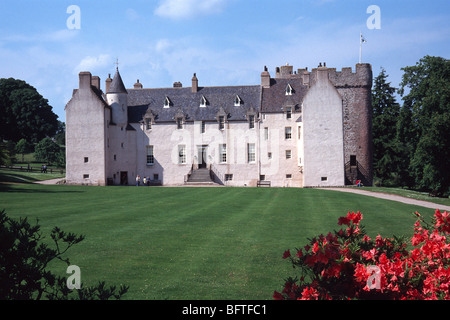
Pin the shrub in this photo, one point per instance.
(24, 260)
(347, 264)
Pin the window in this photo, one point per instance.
(85, 176)
(299, 132)
(181, 154)
(203, 102)
(323, 178)
(262, 177)
(288, 133)
(237, 101)
(228, 177)
(289, 90)
(289, 176)
(221, 122)
(155, 176)
(179, 123)
(288, 154)
(86, 159)
(266, 133)
(251, 121)
(115, 157)
(167, 103)
(269, 155)
(203, 127)
(150, 157)
(353, 161)
(251, 152)
(289, 113)
(148, 124)
(223, 153)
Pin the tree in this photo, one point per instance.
(24, 259)
(24, 113)
(23, 146)
(427, 105)
(47, 150)
(386, 155)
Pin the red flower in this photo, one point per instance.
(277, 296)
(286, 254)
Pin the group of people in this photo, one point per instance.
(145, 181)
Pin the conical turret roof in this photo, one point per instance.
(117, 85)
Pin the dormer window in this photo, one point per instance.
(203, 102)
(289, 90)
(167, 103)
(237, 101)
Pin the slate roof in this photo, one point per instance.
(117, 85)
(185, 102)
(275, 100)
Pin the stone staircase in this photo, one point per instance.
(200, 176)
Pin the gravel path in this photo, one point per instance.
(394, 197)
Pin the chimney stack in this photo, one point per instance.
(85, 80)
(194, 84)
(265, 78)
(177, 84)
(108, 83)
(138, 85)
(95, 81)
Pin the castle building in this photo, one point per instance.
(296, 129)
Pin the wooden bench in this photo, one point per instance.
(263, 183)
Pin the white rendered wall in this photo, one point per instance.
(323, 135)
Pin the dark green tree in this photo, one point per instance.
(24, 260)
(425, 89)
(386, 156)
(47, 151)
(23, 147)
(24, 113)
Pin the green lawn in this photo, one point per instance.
(194, 243)
(19, 176)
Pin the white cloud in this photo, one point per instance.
(90, 63)
(186, 9)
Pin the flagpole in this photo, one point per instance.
(360, 46)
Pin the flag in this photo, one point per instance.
(363, 39)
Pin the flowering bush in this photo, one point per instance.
(347, 264)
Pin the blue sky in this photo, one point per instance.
(225, 42)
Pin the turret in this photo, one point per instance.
(117, 98)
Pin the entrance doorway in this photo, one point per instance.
(123, 178)
(202, 156)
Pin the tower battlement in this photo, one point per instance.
(361, 77)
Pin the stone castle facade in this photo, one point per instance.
(295, 129)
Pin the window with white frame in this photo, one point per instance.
(179, 123)
(266, 133)
(288, 113)
(203, 127)
(228, 177)
(150, 157)
(288, 154)
(289, 90)
(221, 122)
(237, 101)
(182, 154)
(203, 102)
(223, 153)
(288, 133)
(148, 124)
(251, 152)
(251, 121)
